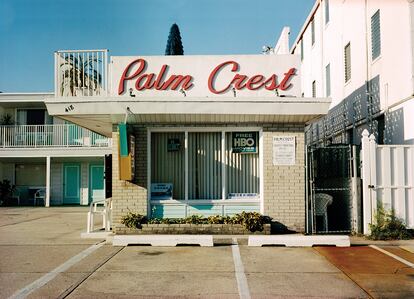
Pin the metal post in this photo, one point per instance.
(47, 199)
(355, 196)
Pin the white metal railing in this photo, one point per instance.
(80, 73)
(101, 208)
(38, 136)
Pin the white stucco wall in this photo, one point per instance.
(347, 24)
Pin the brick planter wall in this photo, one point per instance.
(195, 229)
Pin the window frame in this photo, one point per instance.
(327, 12)
(347, 63)
(223, 199)
(314, 89)
(378, 35)
(328, 80)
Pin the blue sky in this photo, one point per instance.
(31, 30)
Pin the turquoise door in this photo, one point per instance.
(96, 182)
(71, 183)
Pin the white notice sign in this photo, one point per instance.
(284, 150)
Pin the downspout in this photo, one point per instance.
(367, 75)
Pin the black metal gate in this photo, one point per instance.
(332, 189)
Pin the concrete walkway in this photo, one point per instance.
(43, 256)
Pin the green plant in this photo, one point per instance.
(134, 220)
(80, 73)
(6, 120)
(387, 226)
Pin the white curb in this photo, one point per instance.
(299, 240)
(163, 240)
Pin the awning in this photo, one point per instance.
(100, 113)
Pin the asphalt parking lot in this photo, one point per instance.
(43, 256)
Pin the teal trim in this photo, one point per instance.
(123, 140)
(205, 210)
(96, 182)
(232, 210)
(71, 183)
(168, 211)
(178, 210)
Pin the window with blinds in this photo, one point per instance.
(314, 89)
(301, 50)
(328, 79)
(313, 30)
(242, 170)
(167, 164)
(347, 62)
(375, 35)
(206, 164)
(326, 11)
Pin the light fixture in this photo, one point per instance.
(183, 92)
(130, 93)
(234, 91)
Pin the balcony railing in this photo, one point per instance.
(81, 73)
(46, 136)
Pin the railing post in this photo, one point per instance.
(47, 199)
(366, 181)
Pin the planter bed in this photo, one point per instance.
(191, 229)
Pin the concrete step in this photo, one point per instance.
(163, 240)
(299, 240)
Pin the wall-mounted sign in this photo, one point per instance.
(284, 150)
(201, 76)
(161, 191)
(244, 142)
(173, 144)
(126, 146)
(243, 196)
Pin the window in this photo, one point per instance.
(314, 89)
(328, 79)
(33, 117)
(301, 50)
(375, 35)
(206, 160)
(313, 31)
(326, 12)
(347, 61)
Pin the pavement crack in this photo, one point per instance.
(74, 286)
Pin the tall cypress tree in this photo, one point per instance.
(174, 44)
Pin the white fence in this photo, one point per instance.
(37, 136)
(81, 73)
(388, 179)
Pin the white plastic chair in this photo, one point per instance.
(322, 201)
(40, 194)
(105, 212)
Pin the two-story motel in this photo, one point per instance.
(50, 161)
(191, 135)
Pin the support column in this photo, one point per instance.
(47, 199)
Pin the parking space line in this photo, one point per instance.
(241, 278)
(400, 259)
(24, 292)
(73, 287)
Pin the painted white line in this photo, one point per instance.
(241, 278)
(24, 292)
(400, 259)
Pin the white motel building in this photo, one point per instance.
(213, 135)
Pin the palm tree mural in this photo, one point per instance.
(80, 75)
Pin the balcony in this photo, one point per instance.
(81, 73)
(51, 136)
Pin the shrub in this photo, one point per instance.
(251, 221)
(133, 220)
(387, 226)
